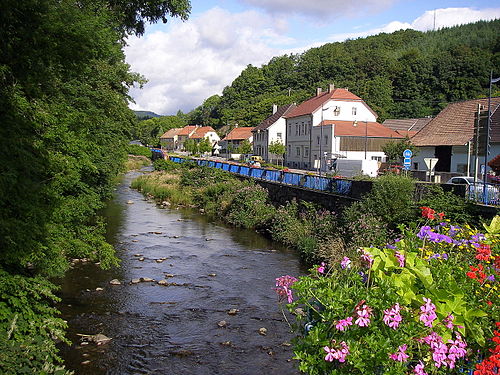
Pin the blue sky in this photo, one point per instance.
(186, 62)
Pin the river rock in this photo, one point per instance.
(262, 331)
(159, 260)
(169, 275)
(146, 279)
(99, 289)
(115, 282)
(135, 281)
(85, 362)
(233, 312)
(163, 282)
(99, 338)
(222, 324)
(130, 202)
(226, 343)
(135, 240)
(138, 255)
(212, 274)
(141, 259)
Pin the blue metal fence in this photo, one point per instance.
(325, 184)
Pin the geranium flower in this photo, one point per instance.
(392, 317)
(419, 369)
(283, 285)
(364, 314)
(345, 263)
(321, 268)
(344, 323)
(428, 213)
(400, 257)
(483, 252)
(400, 355)
(428, 314)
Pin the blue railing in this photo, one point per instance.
(319, 183)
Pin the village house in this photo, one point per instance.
(202, 132)
(272, 129)
(169, 140)
(184, 134)
(230, 143)
(334, 124)
(450, 137)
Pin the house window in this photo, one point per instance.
(289, 150)
(377, 158)
(298, 151)
(278, 135)
(336, 111)
(317, 139)
(461, 168)
(296, 129)
(354, 110)
(326, 139)
(415, 166)
(306, 151)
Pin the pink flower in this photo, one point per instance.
(400, 257)
(321, 268)
(448, 321)
(344, 323)
(283, 284)
(400, 355)
(363, 316)
(392, 317)
(345, 263)
(428, 314)
(419, 369)
(367, 257)
(338, 354)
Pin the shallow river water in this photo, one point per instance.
(176, 329)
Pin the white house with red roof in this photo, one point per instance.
(272, 129)
(202, 132)
(230, 143)
(334, 124)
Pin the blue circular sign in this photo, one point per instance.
(407, 153)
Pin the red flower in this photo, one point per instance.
(428, 213)
(483, 252)
(441, 215)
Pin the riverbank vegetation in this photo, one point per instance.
(65, 127)
(317, 234)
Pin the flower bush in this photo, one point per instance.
(427, 303)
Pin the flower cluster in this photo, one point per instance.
(429, 213)
(339, 354)
(491, 365)
(392, 316)
(428, 314)
(442, 354)
(283, 285)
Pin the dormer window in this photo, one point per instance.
(354, 111)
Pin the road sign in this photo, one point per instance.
(407, 161)
(407, 153)
(431, 163)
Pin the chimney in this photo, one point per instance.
(275, 108)
(318, 91)
(331, 87)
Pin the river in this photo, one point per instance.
(185, 327)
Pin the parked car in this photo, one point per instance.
(475, 190)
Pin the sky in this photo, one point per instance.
(185, 62)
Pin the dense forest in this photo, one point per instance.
(65, 123)
(400, 75)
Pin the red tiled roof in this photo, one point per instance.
(312, 104)
(239, 134)
(201, 131)
(454, 125)
(171, 133)
(187, 130)
(281, 112)
(372, 130)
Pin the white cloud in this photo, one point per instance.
(445, 17)
(198, 58)
(322, 8)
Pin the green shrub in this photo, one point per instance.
(249, 207)
(139, 150)
(204, 176)
(457, 209)
(29, 326)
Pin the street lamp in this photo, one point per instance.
(366, 134)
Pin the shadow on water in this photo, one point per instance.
(178, 328)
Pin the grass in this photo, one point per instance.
(164, 187)
(136, 162)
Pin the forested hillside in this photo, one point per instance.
(65, 123)
(400, 75)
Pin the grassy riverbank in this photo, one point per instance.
(316, 233)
